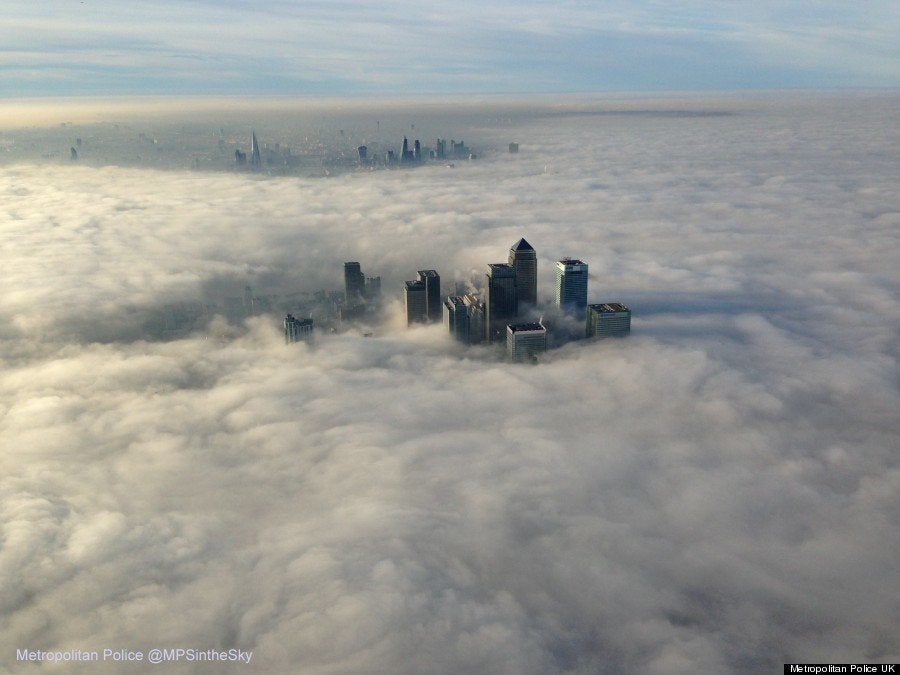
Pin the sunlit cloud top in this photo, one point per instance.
(104, 47)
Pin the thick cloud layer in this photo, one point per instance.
(717, 492)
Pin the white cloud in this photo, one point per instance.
(718, 492)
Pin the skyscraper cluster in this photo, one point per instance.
(458, 150)
(510, 295)
(504, 311)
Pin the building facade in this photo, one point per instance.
(432, 281)
(354, 284)
(524, 341)
(456, 317)
(571, 286)
(608, 319)
(477, 313)
(501, 299)
(524, 258)
(416, 302)
(296, 329)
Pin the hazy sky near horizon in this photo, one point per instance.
(109, 47)
(716, 493)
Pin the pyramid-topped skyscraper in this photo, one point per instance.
(523, 257)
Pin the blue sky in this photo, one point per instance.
(281, 47)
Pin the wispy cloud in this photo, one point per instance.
(498, 46)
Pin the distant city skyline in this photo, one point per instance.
(273, 48)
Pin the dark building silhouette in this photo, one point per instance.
(456, 317)
(354, 284)
(440, 148)
(501, 299)
(524, 258)
(432, 281)
(254, 150)
(415, 298)
(362, 151)
(297, 329)
(240, 158)
(406, 155)
(475, 308)
(372, 288)
(464, 318)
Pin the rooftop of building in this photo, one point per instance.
(609, 307)
(522, 245)
(428, 273)
(453, 300)
(502, 269)
(290, 318)
(415, 283)
(522, 327)
(570, 261)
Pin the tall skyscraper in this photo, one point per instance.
(525, 340)
(297, 329)
(416, 300)
(354, 284)
(571, 286)
(406, 155)
(523, 257)
(501, 299)
(608, 319)
(475, 309)
(456, 317)
(254, 149)
(432, 281)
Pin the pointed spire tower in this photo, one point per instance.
(523, 257)
(254, 149)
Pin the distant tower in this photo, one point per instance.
(432, 281)
(405, 154)
(524, 341)
(501, 299)
(248, 301)
(513, 148)
(417, 151)
(523, 257)
(571, 286)
(354, 284)
(608, 319)
(416, 302)
(254, 150)
(74, 154)
(297, 329)
(362, 151)
(440, 146)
